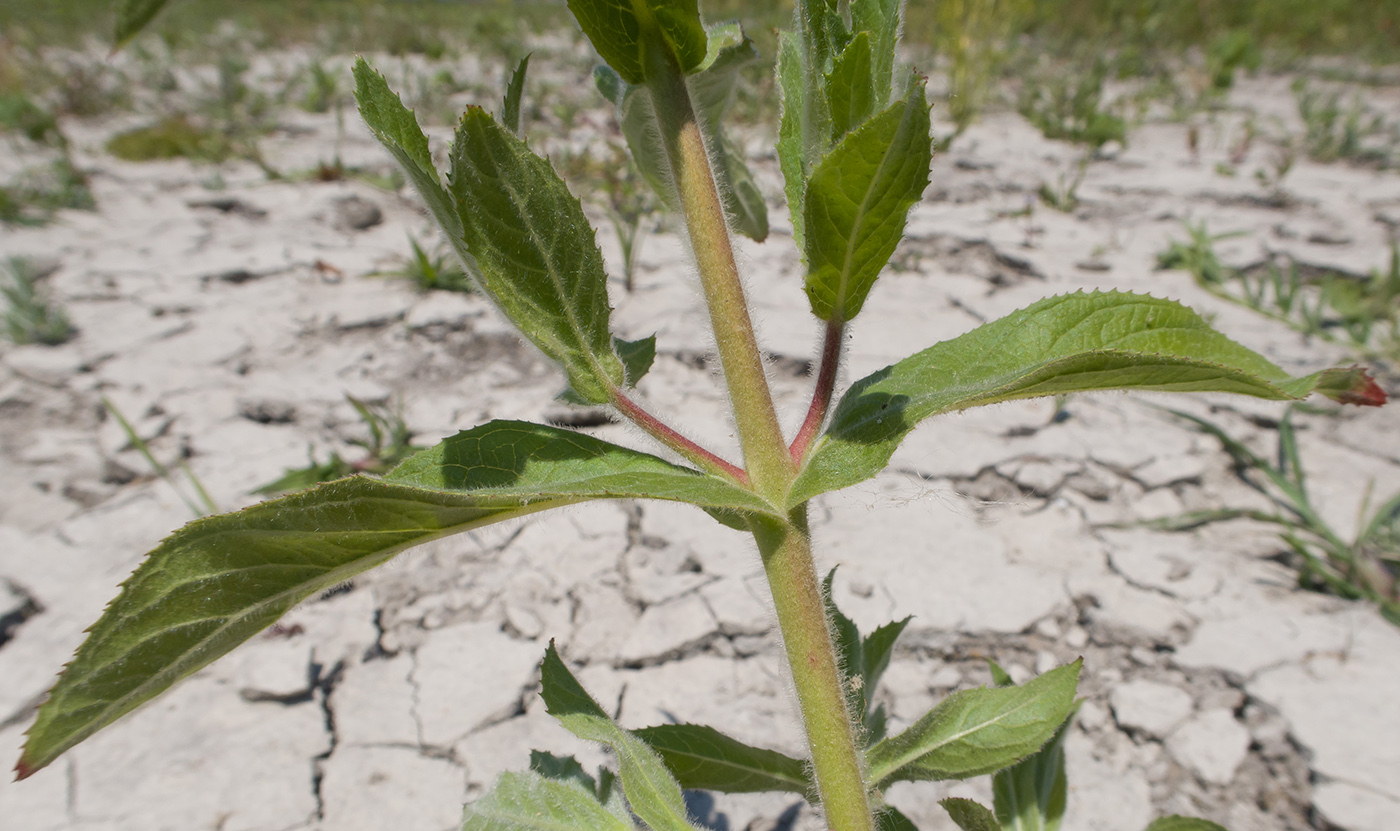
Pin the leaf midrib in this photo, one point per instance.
(915, 756)
(864, 208)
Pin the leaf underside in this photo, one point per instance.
(1070, 343)
(978, 731)
(218, 581)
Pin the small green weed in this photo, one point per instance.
(436, 271)
(29, 316)
(1361, 313)
(1064, 196)
(390, 441)
(1069, 105)
(1334, 132)
(41, 192)
(172, 137)
(1228, 52)
(1366, 568)
(19, 114)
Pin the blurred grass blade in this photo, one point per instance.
(652, 793)
(132, 17)
(973, 732)
(1070, 343)
(704, 758)
(1176, 823)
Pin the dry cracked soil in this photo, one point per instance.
(228, 316)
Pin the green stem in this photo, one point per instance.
(765, 453)
(792, 577)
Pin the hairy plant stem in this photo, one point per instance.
(821, 395)
(785, 546)
(765, 452)
(786, 549)
(671, 438)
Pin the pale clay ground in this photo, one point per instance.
(1213, 686)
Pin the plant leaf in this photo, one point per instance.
(970, 815)
(624, 30)
(132, 17)
(652, 792)
(534, 251)
(397, 129)
(850, 87)
(846, 638)
(798, 109)
(704, 758)
(1030, 795)
(218, 581)
(876, 650)
(857, 201)
(881, 19)
(531, 802)
(515, 90)
(891, 818)
(636, 117)
(563, 768)
(525, 462)
(1070, 343)
(973, 732)
(1178, 823)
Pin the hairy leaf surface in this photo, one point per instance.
(1030, 795)
(857, 202)
(218, 581)
(850, 87)
(1071, 343)
(702, 757)
(531, 802)
(881, 19)
(525, 462)
(534, 252)
(973, 732)
(652, 792)
(397, 129)
(624, 30)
